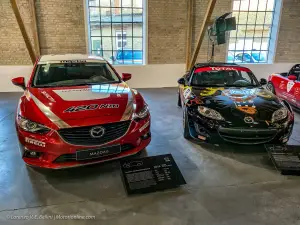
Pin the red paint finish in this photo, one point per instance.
(78, 106)
(286, 89)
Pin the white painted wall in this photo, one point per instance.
(149, 76)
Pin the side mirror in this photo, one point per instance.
(181, 81)
(263, 81)
(126, 76)
(292, 77)
(19, 81)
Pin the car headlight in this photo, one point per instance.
(142, 113)
(279, 114)
(31, 126)
(210, 113)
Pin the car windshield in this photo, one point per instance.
(224, 78)
(73, 74)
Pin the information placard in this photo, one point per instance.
(285, 157)
(150, 174)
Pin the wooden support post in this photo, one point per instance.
(23, 30)
(205, 23)
(34, 28)
(188, 50)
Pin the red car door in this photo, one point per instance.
(280, 85)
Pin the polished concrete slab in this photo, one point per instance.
(227, 185)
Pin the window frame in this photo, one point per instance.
(266, 53)
(143, 36)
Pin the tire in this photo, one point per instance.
(179, 101)
(271, 88)
(186, 129)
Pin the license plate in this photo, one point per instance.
(98, 153)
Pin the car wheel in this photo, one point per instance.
(179, 101)
(271, 88)
(186, 129)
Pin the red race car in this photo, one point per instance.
(77, 110)
(287, 85)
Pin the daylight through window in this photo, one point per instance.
(250, 43)
(116, 30)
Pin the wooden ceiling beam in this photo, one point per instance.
(189, 34)
(34, 28)
(206, 22)
(23, 31)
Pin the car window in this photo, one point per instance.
(71, 74)
(224, 78)
(247, 58)
(127, 55)
(239, 57)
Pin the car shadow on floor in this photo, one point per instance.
(255, 155)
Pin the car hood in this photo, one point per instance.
(235, 104)
(109, 102)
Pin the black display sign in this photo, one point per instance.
(285, 157)
(150, 174)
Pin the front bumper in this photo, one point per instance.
(203, 129)
(54, 152)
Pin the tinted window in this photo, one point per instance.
(71, 74)
(224, 78)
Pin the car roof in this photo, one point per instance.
(71, 57)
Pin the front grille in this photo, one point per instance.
(247, 135)
(82, 136)
(72, 157)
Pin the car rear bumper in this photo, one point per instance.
(53, 152)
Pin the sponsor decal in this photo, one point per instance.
(223, 68)
(144, 126)
(248, 119)
(72, 61)
(290, 85)
(48, 96)
(187, 92)
(35, 142)
(90, 107)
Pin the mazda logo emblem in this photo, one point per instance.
(97, 132)
(248, 119)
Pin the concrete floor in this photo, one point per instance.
(225, 185)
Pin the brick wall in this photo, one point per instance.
(61, 27)
(12, 46)
(288, 45)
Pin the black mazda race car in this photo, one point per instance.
(226, 103)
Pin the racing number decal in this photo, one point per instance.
(290, 85)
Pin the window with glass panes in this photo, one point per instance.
(116, 30)
(250, 42)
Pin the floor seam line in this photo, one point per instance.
(3, 118)
(40, 206)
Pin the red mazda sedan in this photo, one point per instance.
(76, 110)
